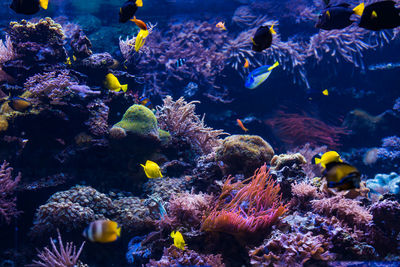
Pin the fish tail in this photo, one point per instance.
(317, 161)
(276, 64)
(118, 231)
(358, 10)
(271, 29)
(124, 87)
(143, 166)
(44, 3)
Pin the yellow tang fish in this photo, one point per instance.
(152, 169)
(111, 83)
(102, 231)
(139, 3)
(179, 242)
(328, 157)
(140, 39)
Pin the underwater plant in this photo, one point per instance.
(8, 185)
(247, 207)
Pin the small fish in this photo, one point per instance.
(246, 63)
(68, 61)
(152, 170)
(262, 39)
(28, 7)
(259, 75)
(145, 101)
(139, 3)
(180, 62)
(338, 16)
(102, 231)
(328, 157)
(240, 124)
(139, 23)
(127, 11)
(342, 176)
(380, 15)
(140, 39)
(221, 25)
(325, 92)
(111, 83)
(179, 242)
(18, 104)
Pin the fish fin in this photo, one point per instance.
(374, 15)
(143, 166)
(44, 3)
(118, 231)
(139, 3)
(271, 29)
(252, 40)
(328, 14)
(124, 87)
(276, 64)
(358, 10)
(317, 161)
(161, 175)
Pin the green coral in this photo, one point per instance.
(165, 136)
(137, 120)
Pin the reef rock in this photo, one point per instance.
(243, 154)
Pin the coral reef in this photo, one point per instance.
(243, 153)
(174, 256)
(180, 120)
(246, 208)
(8, 185)
(384, 183)
(98, 121)
(293, 249)
(137, 120)
(6, 50)
(64, 256)
(282, 160)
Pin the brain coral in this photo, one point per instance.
(243, 153)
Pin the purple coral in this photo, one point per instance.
(8, 185)
(64, 256)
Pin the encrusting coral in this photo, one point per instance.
(243, 153)
(282, 160)
(246, 208)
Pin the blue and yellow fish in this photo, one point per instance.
(17, 103)
(259, 75)
(145, 101)
(102, 231)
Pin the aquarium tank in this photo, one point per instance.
(199, 133)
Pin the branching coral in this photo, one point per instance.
(297, 130)
(180, 120)
(248, 207)
(6, 50)
(51, 86)
(293, 249)
(64, 256)
(8, 184)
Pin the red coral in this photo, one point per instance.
(8, 206)
(296, 130)
(255, 206)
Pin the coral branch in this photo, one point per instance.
(8, 206)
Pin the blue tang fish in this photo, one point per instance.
(259, 75)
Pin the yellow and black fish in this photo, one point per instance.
(262, 39)
(28, 7)
(145, 101)
(342, 176)
(127, 11)
(18, 103)
(102, 231)
(380, 15)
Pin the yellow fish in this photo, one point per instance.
(111, 83)
(328, 157)
(179, 242)
(152, 169)
(102, 231)
(139, 3)
(140, 39)
(325, 92)
(68, 61)
(342, 176)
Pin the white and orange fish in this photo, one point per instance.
(246, 63)
(240, 124)
(221, 25)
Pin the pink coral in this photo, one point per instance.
(347, 210)
(174, 256)
(64, 256)
(248, 207)
(8, 185)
